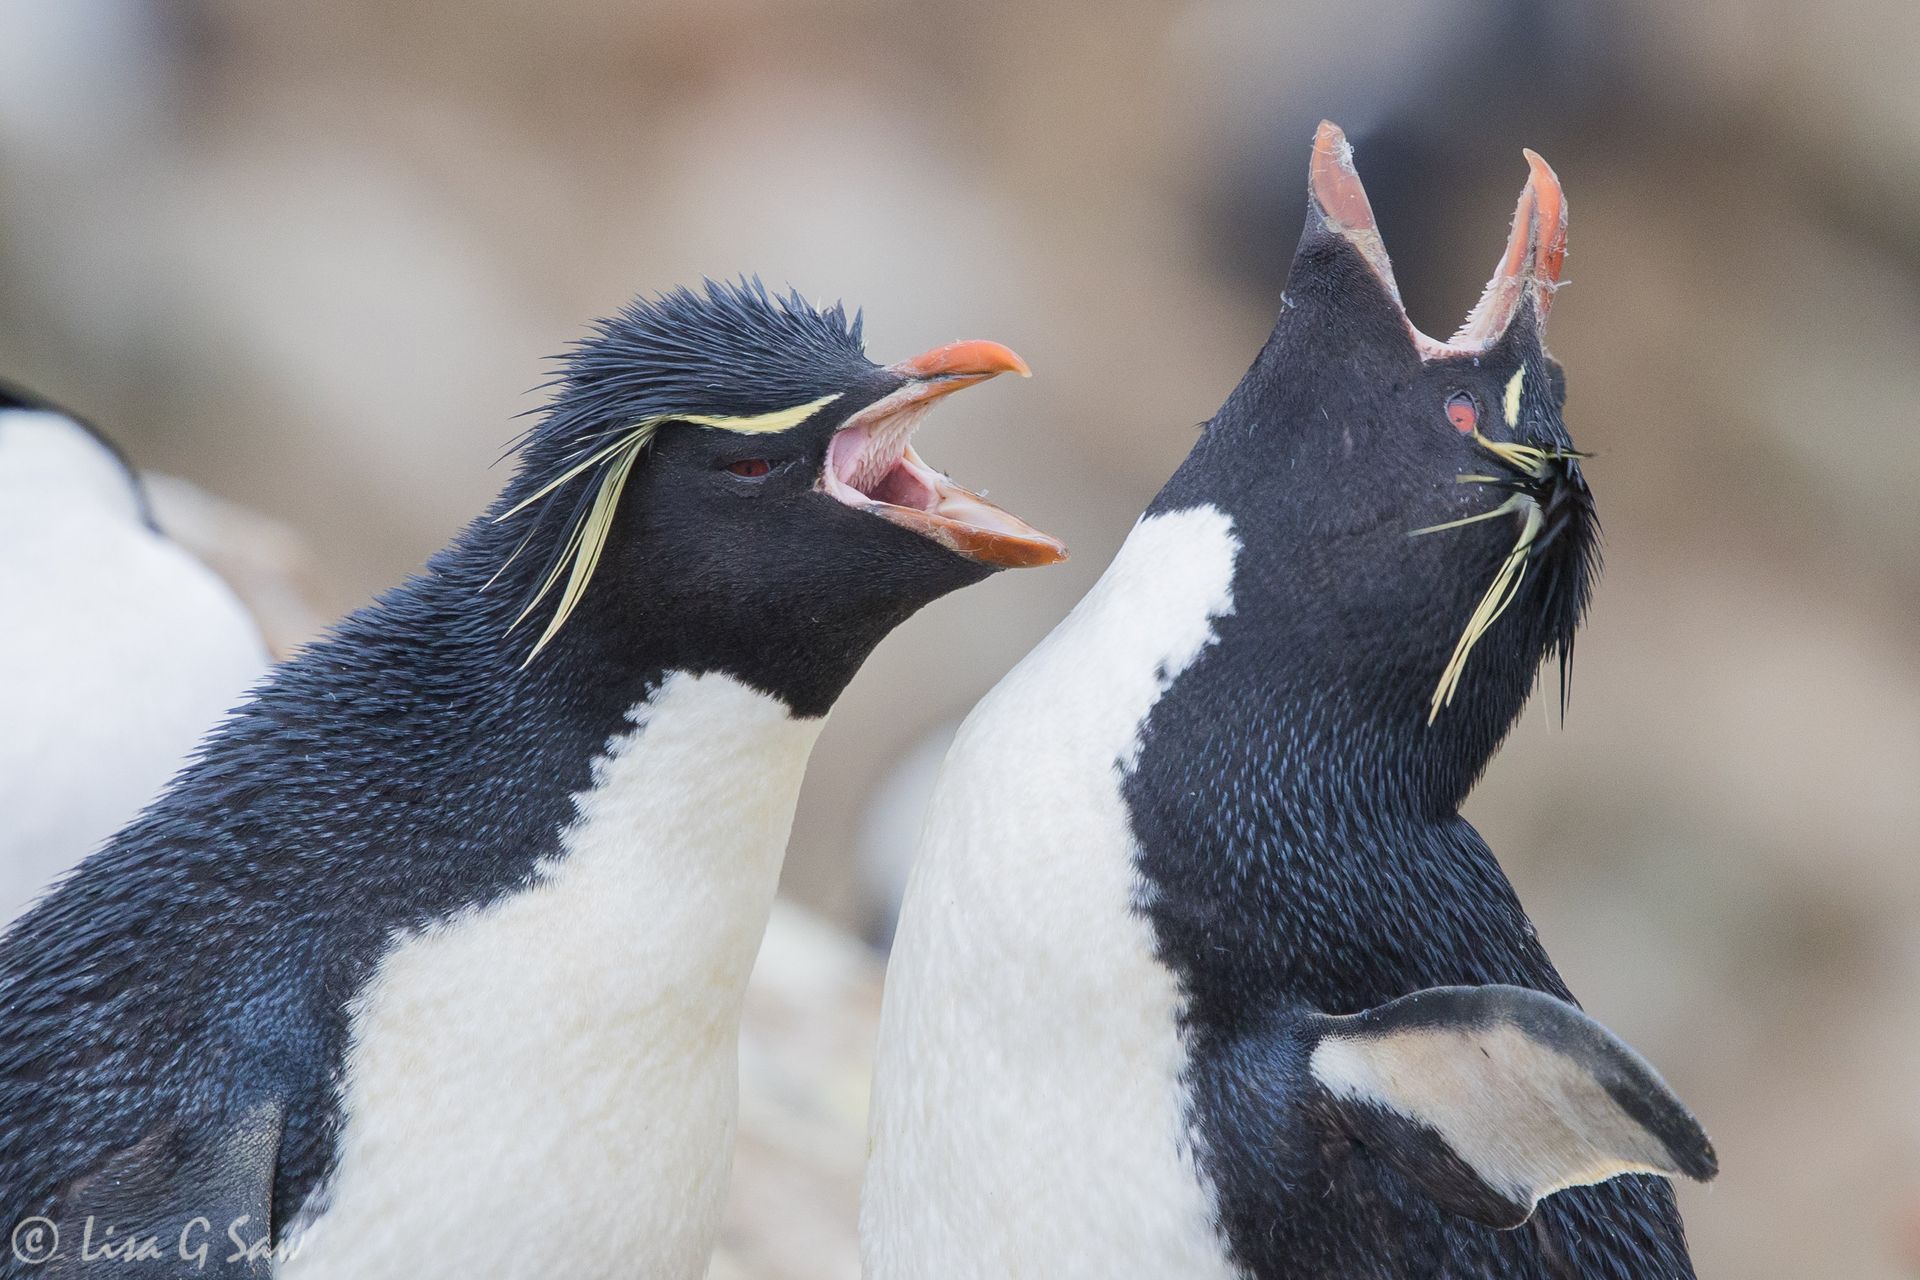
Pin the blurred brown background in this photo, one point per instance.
(311, 257)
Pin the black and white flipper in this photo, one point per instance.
(195, 1195)
(1489, 1099)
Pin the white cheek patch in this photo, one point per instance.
(1524, 1090)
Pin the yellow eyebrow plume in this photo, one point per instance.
(1533, 462)
(1499, 594)
(580, 550)
(778, 420)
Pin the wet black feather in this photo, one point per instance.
(406, 767)
(1299, 837)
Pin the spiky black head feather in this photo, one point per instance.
(732, 349)
(733, 354)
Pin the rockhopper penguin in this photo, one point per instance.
(118, 649)
(1200, 972)
(431, 963)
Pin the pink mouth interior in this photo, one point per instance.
(871, 462)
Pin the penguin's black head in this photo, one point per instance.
(1419, 504)
(729, 464)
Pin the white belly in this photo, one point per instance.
(1028, 1114)
(546, 1086)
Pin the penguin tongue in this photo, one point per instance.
(871, 464)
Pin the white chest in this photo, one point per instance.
(546, 1086)
(1028, 1113)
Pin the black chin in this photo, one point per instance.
(1565, 561)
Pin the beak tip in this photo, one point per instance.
(1330, 139)
(975, 360)
(1338, 199)
(1534, 260)
(1334, 183)
(1549, 235)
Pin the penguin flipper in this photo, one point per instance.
(1490, 1098)
(197, 1196)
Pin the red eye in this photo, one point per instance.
(1463, 413)
(752, 468)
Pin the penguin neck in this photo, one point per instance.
(1332, 734)
(432, 686)
(1317, 773)
(1294, 845)
(1296, 819)
(458, 631)
(1334, 744)
(1334, 689)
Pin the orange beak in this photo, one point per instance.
(971, 362)
(871, 464)
(1530, 268)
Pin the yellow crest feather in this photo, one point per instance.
(1515, 385)
(1500, 593)
(587, 539)
(1531, 461)
(778, 420)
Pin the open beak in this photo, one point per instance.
(1530, 267)
(871, 464)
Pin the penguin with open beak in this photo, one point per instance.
(1200, 972)
(431, 963)
(118, 648)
